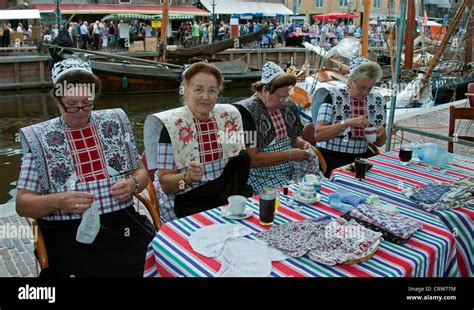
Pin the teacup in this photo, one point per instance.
(370, 134)
(314, 180)
(236, 204)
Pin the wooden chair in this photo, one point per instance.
(150, 201)
(470, 94)
(308, 135)
(459, 113)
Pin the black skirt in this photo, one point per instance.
(233, 181)
(118, 250)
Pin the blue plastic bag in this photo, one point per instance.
(434, 154)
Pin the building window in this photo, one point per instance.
(125, 1)
(392, 5)
(318, 3)
(342, 3)
(376, 4)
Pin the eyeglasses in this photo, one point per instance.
(86, 107)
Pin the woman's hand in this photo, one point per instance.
(381, 132)
(299, 155)
(306, 145)
(123, 190)
(381, 136)
(194, 172)
(358, 122)
(75, 202)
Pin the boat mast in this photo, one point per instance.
(400, 32)
(365, 29)
(444, 43)
(409, 35)
(164, 30)
(391, 40)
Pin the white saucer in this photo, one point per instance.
(297, 197)
(415, 160)
(247, 213)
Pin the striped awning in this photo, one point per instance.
(174, 10)
(246, 8)
(144, 17)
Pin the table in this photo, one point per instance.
(388, 177)
(430, 252)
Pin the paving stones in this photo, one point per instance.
(16, 255)
(8, 243)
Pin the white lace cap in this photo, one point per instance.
(67, 65)
(270, 70)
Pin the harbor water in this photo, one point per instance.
(20, 109)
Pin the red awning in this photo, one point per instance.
(335, 16)
(120, 8)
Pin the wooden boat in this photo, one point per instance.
(130, 77)
(120, 73)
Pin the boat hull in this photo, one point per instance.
(123, 77)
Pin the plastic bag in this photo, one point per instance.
(433, 154)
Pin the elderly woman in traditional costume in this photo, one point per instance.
(77, 179)
(197, 148)
(273, 130)
(341, 112)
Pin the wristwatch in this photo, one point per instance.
(134, 178)
(343, 124)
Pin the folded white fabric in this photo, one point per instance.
(240, 256)
(210, 240)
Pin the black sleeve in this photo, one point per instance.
(164, 136)
(250, 129)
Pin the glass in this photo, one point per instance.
(361, 165)
(86, 107)
(405, 155)
(267, 205)
(277, 201)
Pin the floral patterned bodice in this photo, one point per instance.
(48, 144)
(182, 131)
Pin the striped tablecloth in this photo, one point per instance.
(430, 252)
(387, 178)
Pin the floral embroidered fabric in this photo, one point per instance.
(325, 241)
(266, 132)
(51, 152)
(375, 107)
(183, 133)
(395, 223)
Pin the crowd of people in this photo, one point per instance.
(321, 33)
(6, 32)
(104, 35)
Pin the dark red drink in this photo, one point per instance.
(361, 166)
(267, 209)
(405, 155)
